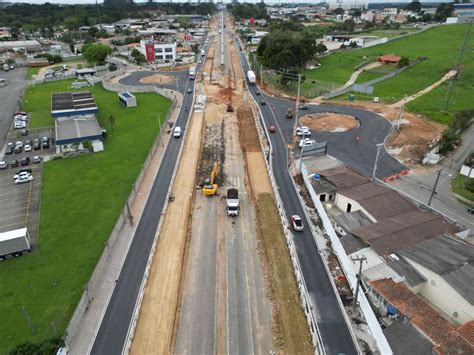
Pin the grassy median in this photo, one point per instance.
(80, 202)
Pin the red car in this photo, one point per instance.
(272, 129)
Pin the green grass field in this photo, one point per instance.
(368, 75)
(80, 202)
(458, 187)
(441, 58)
(31, 72)
(391, 33)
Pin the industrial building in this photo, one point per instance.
(73, 104)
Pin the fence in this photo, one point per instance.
(96, 277)
(346, 265)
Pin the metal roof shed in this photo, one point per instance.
(77, 129)
(127, 99)
(73, 104)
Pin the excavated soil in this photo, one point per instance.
(157, 79)
(329, 122)
(249, 140)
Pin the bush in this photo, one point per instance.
(112, 67)
(447, 140)
(469, 184)
(47, 347)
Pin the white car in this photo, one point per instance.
(21, 175)
(21, 117)
(297, 223)
(3, 164)
(19, 144)
(306, 142)
(19, 124)
(303, 131)
(177, 132)
(23, 179)
(376, 99)
(27, 148)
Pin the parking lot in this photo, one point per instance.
(19, 203)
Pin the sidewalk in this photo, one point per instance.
(103, 286)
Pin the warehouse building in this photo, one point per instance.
(73, 104)
(73, 131)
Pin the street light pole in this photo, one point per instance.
(376, 161)
(298, 98)
(161, 132)
(301, 154)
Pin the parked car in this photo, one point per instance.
(36, 159)
(24, 132)
(21, 118)
(19, 124)
(23, 179)
(19, 144)
(27, 148)
(297, 223)
(376, 99)
(303, 131)
(36, 144)
(9, 150)
(17, 150)
(3, 164)
(306, 142)
(14, 163)
(45, 142)
(21, 174)
(24, 170)
(45, 139)
(25, 161)
(28, 142)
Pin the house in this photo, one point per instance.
(73, 131)
(389, 59)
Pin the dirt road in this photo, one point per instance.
(154, 331)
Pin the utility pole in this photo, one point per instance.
(301, 154)
(177, 88)
(400, 114)
(434, 187)
(298, 98)
(361, 260)
(376, 161)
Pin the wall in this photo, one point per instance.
(442, 295)
(343, 201)
(467, 171)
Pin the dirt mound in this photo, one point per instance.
(157, 79)
(249, 140)
(329, 122)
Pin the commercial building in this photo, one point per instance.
(29, 46)
(158, 51)
(73, 104)
(73, 131)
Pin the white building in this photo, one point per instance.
(162, 51)
(348, 5)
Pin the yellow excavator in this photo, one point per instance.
(210, 187)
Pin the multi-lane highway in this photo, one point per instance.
(334, 330)
(112, 334)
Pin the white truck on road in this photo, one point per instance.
(251, 77)
(192, 73)
(232, 202)
(14, 243)
(6, 67)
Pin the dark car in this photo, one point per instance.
(24, 132)
(257, 92)
(23, 170)
(17, 149)
(25, 161)
(14, 163)
(470, 210)
(28, 142)
(262, 102)
(45, 139)
(36, 144)
(304, 107)
(9, 150)
(36, 159)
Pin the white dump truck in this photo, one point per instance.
(14, 243)
(192, 73)
(251, 77)
(232, 201)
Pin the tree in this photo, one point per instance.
(404, 61)
(339, 11)
(414, 6)
(443, 11)
(96, 53)
(112, 67)
(446, 143)
(139, 57)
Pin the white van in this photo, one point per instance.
(177, 132)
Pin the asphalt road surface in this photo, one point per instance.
(9, 97)
(133, 79)
(114, 327)
(334, 331)
(358, 154)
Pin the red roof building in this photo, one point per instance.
(389, 59)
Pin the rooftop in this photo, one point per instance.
(450, 258)
(76, 128)
(404, 338)
(445, 336)
(72, 101)
(403, 230)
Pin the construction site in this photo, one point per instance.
(219, 283)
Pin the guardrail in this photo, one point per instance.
(96, 277)
(304, 294)
(346, 265)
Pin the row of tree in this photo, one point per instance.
(246, 11)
